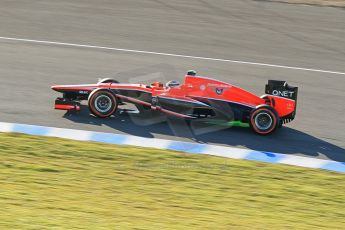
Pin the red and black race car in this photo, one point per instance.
(196, 98)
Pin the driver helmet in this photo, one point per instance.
(171, 84)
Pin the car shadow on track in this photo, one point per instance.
(286, 140)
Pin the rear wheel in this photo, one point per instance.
(102, 103)
(264, 120)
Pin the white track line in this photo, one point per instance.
(172, 55)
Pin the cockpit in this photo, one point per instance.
(170, 84)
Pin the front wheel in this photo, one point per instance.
(264, 120)
(102, 103)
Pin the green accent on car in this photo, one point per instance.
(229, 123)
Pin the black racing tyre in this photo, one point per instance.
(264, 120)
(102, 103)
(108, 80)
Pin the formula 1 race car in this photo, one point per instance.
(196, 98)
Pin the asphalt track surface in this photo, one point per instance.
(310, 37)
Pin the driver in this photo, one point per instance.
(172, 84)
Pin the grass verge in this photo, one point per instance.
(49, 183)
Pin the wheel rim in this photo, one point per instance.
(263, 121)
(103, 103)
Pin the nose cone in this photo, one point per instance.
(56, 88)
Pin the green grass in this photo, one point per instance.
(48, 183)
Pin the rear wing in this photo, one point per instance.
(281, 89)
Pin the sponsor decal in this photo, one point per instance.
(283, 93)
(219, 91)
(289, 106)
(219, 85)
(83, 92)
(202, 87)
